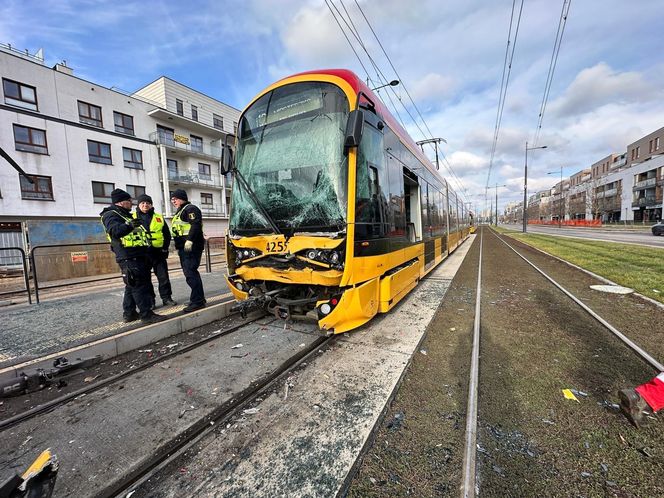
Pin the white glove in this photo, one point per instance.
(188, 246)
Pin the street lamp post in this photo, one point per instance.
(525, 186)
(562, 202)
(391, 83)
(497, 201)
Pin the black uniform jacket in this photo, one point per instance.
(114, 221)
(192, 215)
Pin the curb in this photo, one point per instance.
(127, 341)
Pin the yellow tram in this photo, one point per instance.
(335, 212)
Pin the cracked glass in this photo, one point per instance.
(290, 151)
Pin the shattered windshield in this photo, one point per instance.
(290, 151)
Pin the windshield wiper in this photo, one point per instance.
(258, 203)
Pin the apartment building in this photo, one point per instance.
(77, 141)
(646, 147)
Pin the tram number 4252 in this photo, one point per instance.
(276, 246)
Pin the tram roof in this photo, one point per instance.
(358, 86)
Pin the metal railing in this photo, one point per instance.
(214, 254)
(184, 144)
(26, 277)
(650, 182)
(644, 201)
(193, 177)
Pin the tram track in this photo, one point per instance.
(232, 407)
(61, 400)
(477, 415)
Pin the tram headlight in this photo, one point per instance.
(312, 254)
(334, 257)
(325, 309)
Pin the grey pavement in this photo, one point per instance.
(34, 330)
(629, 236)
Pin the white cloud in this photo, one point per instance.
(432, 88)
(601, 85)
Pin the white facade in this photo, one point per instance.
(67, 163)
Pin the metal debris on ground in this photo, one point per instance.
(423, 351)
(395, 423)
(547, 421)
(608, 404)
(237, 346)
(251, 411)
(90, 379)
(586, 474)
(579, 393)
(570, 395)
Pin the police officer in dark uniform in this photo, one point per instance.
(187, 229)
(160, 239)
(130, 243)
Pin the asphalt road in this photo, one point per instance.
(642, 238)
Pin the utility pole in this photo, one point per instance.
(562, 199)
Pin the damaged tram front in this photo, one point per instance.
(287, 235)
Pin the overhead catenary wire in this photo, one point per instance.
(552, 66)
(504, 82)
(448, 166)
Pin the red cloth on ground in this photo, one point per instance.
(653, 392)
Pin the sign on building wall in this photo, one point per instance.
(182, 139)
(79, 257)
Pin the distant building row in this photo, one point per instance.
(619, 187)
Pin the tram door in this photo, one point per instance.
(412, 202)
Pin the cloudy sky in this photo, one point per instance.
(607, 89)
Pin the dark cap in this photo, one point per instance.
(144, 198)
(179, 194)
(119, 195)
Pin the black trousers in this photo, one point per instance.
(190, 262)
(138, 285)
(160, 268)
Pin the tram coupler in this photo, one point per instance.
(33, 380)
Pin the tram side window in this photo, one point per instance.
(443, 212)
(426, 222)
(370, 199)
(397, 215)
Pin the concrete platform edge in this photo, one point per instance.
(126, 341)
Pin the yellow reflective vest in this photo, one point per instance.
(156, 229)
(139, 237)
(179, 228)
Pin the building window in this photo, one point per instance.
(172, 165)
(179, 107)
(101, 192)
(89, 114)
(166, 135)
(99, 152)
(657, 143)
(41, 189)
(19, 94)
(234, 127)
(196, 143)
(204, 171)
(132, 158)
(206, 199)
(123, 123)
(135, 191)
(638, 152)
(194, 112)
(218, 122)
(30, 139)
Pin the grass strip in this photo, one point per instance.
(638, 267)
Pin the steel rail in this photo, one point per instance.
(184, 441)
(631, 344)
(54, 403)
(468, 488)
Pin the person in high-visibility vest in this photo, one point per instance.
(130, 243)
(187, 229)
(160, 238)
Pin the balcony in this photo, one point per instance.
(213, 211)
(607, 193)
(644, 202)
(192, 177)
(178, 143)
(650, 182)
